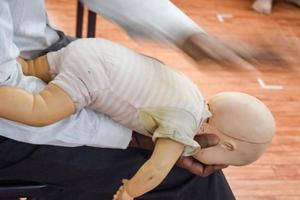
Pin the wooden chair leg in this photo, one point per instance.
(79, 19)
(91, 24)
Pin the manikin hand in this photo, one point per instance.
(122, 194)
(188, 163)
(239, 55)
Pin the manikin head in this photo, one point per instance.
(244, 125)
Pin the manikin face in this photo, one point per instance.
(229, 151)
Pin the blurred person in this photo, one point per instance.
(265, 6)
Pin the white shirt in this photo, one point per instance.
(24, 30)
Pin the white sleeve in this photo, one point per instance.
(83, 128)
(158, 20)
(8, 50)
(86, 128)
(32, 32)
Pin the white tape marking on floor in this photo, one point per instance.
(268, 87)
(221, 17)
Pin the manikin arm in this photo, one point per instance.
(152, 173)
(38, 67)
(46, 107)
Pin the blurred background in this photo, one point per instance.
(276, 176)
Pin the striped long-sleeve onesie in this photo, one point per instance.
(137, 91)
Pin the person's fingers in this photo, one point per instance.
(264, 54)
(196, 167)
(209, 169)
(206, 140)
(201, 45)
(218, 167)
(192, 165)
(268, 55)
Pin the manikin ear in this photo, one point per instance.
(227, 145)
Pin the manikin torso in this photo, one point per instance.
(137, 91)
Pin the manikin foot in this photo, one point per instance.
(295, 2)
(263, 6)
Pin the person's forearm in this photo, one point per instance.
(157, 20)
(8, 50)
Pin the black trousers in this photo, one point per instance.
(87, 173)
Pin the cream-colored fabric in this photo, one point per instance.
(174, 123)
(112, 79)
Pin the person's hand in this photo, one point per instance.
(188, 163)
(201, 45)
(234, 54)
(122, 194)
(193, 165)
(140, 141)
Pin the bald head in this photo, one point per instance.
(244, 125)
(242, 116)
